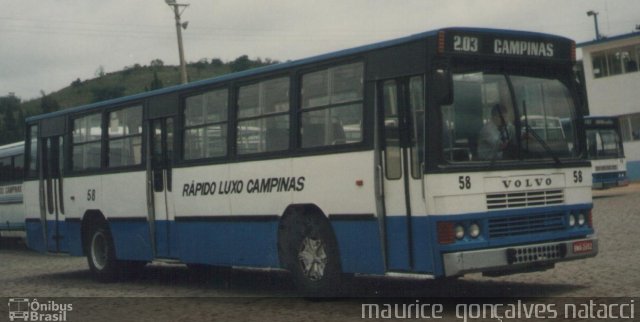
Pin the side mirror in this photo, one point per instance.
(442, 81)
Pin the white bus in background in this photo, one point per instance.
(549, 130)
(330, 165)
(606, 151)
(11, 175)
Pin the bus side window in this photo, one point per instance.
(18, 170)
(337, 133)
(277, 139)
(331, 106)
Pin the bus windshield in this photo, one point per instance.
(603, 143)
(502, 116)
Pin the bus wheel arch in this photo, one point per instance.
(99, 247)
(308, 248)
(90, 220)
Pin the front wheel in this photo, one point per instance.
(101, 255)
(311, 254)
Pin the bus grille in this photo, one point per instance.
(613, 167)
(524, 199)
(525, 225)
(535, 254)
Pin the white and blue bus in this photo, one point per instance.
(11, 207)
(362, 161)
(606, 151)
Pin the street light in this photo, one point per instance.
(589, 13)
(179, 26)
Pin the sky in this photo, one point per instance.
(47, 44)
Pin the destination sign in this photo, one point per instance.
(602, 122)
(506, 45)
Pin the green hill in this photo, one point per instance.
(137, 79)
(130, 80)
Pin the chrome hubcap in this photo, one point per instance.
(99, 251)
(313, 258)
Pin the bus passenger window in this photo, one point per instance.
(332, 106)
(263, 117)
(87, 134)
(125, 137)
(33, 151)
(205, 131)
(18, 167)
(392, 151)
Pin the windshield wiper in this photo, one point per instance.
(497, 149)
(530, 131)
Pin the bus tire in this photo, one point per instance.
(101, 254)
(310, 253)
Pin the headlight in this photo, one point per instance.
(572, 220)
(474, 230)
(459, 231)
(581, 219)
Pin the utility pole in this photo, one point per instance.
(595, 20)
(179, 26)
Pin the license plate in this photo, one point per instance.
(584, 246)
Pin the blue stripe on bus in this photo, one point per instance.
(131, 239)
(483, 242)
(254, 242)
(513, 239)
(36, 238)
(422, 239)
(228, 243)
(56, 236)
(359, 245)
(397, 243)
(610, 177)
(73, 231)
(35, 235)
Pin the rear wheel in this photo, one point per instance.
(310, 253)
(101, 254)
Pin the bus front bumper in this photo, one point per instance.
(515, 259)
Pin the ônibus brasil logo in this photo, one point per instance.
(24, 309)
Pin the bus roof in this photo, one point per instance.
(12, 149)
(290, 64)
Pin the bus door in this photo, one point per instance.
(159, 162)
(52, 192)
(401, 107)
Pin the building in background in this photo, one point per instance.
(612, 81)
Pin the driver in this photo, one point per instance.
(496, 135)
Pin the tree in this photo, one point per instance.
(241, 63)
(10, 128)
(20, 124)
(76, 83)
(156, 63)
(156, 83)
(100, 71)
(216, 62)
(9, 132)
(48, 104)
(200, 64)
